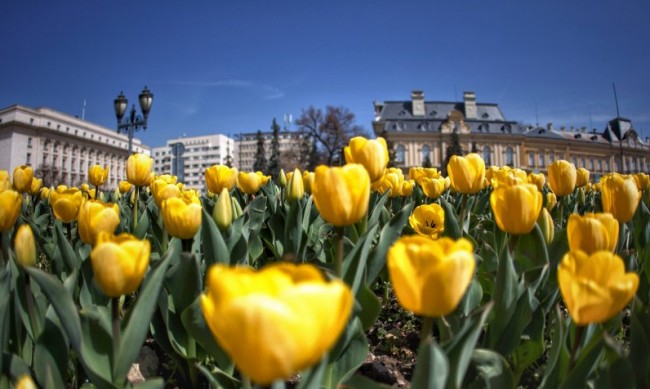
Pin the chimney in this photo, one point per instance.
(583, 130)
(470, 105)
(379, 106)
(549, 126)
(417, 97)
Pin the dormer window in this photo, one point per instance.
(433, 114)
(485, 115)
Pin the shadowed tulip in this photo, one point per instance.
(620, 196)
(516, 208)
(97, 216)
(562, 177)
(592, 232)
(97, 175)
(24, 246)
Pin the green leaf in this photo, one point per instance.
(5, 311)
(493, 369)
(558, 356)
(70, 257)
(143, 226)
(640, 344)
(432, 369)
(354, 264)
(586, 363)
(472, 298)
(255, 211)
(530, 253)
(313, 377)
(532, 347)
(350, 352)
(214, 246)
(218, 378)
(376, 210)
(515, 322)
(152, 383)
(97, 345)
(139, 317)
(370, 307)
(14, 366)
(184, 281)
(293, 228)
(452, 227)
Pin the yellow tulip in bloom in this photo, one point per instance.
(582, 177)
(296, 187)
(119, 263)
(65, 203)
(222, 212)
(428, 220)
(308, 180)
(545, 222)
(97, 175)
(37, 184)
(508, 176)
(392, 180)
(551, 201)
(538, 179)
(23, 176)
(251, 182)
(562, 177)
(277, 321)
(45, 194)
(516, 208)
(5, 180)
(432, 187)
(24, 246)
(162, 190)
(592, 232)
(218, 177)
(96, 216)
(138, 169)
(595, 287)
(341, 194)
(416, 173)
(466, 173)
(125, 186)
(25, 382)
(430, 276)
(406, 188)
(642, 181)
(372, 154)
(620, 196)
(182, 216)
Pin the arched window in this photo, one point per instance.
(510, 156)
(400, 153)
(487, 155)
(426, 154)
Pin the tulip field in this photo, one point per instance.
(511, 278)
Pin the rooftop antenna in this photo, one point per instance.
(591, 126)
(83, 111)
(618, 114)
(536, 116)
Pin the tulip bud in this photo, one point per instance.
(545, 223)
(296, 189)
(97, 175)
(551, 201)
(581, 195)
(23, 176)
(37, 184)
(218, 177)
(124, 186)
(516, 208)
(119, 263)
(282, 179)
(237, 212)
(24, 246)
(620, 196)
(582, 177)
(562, 176)
(222, 212)
(466, 173)
(341, 194)
(138, 169)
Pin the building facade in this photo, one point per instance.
(188, 157)
(421, 131)
(289, 142)
(60, 147)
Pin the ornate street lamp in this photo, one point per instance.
(132, 123)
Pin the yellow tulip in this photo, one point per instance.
(97, 175)
(416, 173)
(23, 176)
(66, 203)
(37, 184)
(406, 188)
(432, 187)
(24, 246)
(251, 182)
(308, 180)
(45, 194)
(96, 216)
(5, 180)
(595, 287)
(218, 177)
(162, 190)
(516, 208)
(509, 176)
(282, 179)
(25, 382)
(392, 180)
(222, 212)
(582, 177)
(430, 276)
(620, 196)
(138, 169)
(538, 179)
(562, 177)
(545, 222)
(341, 194)
(642, 181)
(275, 322)
(296, 187)
(592, 232)
(372, 154)
(181, 216)
(119, 263)
(551, 201)
(466, 173)
(428, 220)
(125, 186)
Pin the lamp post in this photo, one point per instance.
(134, 122)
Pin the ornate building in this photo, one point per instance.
(421, 131)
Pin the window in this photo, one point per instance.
(487, 155)
(551, 157)
(591, 164)
(542, 159)
(510, 156)
(583, 162)
(531, 159)
(400, 154)
(426, 154)
(29, 142)
(600, 165)
(29, 159)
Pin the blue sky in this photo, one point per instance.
(230, 67)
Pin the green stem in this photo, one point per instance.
(69, 228)
(135, 208)
(463, 211)
(580, 330)
(338, 265)
(36, 329)
(426, 334)
(246, 382)
(115, 312)
(560, 203)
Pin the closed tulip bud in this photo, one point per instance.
(66, 203)
(237, 212)
(372, 154)
(10, 205)
(429, 276)
(37, 184)
(466, 173)
(581, 195)
(292, 302)
(545, 223)
(296, 189)
(551, 201)
(5, 180)
(25, 382)
(308, 180)
(23, 176)
(119, 263)
(582, 177)
(218, 177)
(138, 169)
(428, 220)
(620, 196)
(124, 186)
(24, 246)
(516, 208)
(95, 217)
(341, 194)
(251, 182)
(222, 212)
(97, 175)
(592, 232)
(562, 177)
(642, 180)
(181, 216)
(282, 179)
(432, 187)
(537, 179)
(595, 287)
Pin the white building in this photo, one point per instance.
(61, 147)
(188, 157)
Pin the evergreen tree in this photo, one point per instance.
(390, 146)
(427, 162)
(454, 148)
(260, 155)
(228, 160)
(274, 160)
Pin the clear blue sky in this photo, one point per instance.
(231, 66)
